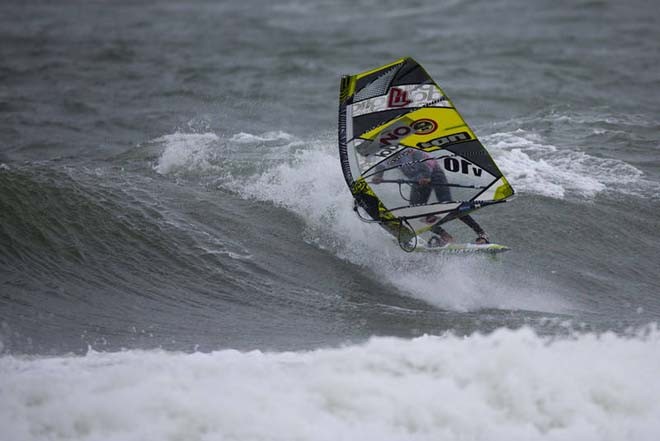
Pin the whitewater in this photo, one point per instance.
(508, 385)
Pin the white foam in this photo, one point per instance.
(185, 152)
(534, 166)
(511, 385)
(311, 185)
(531, 164)
(247, 138)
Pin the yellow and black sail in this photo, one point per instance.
(397, 129)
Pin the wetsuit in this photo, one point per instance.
(418, 165)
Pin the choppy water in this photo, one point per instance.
(170, 188)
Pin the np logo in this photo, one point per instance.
(418, 127)
(398, 98)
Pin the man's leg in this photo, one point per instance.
(442, 238)
(470, 222)
(419, 194)
(439, 183)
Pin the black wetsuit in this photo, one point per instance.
(418, 165)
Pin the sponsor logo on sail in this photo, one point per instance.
(445, 140)
(404, 96)
(398, 98)
(418, 127)
(424, 126)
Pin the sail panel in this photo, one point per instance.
(406, 152)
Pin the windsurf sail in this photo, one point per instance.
(408, 157)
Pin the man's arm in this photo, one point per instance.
(422, 170)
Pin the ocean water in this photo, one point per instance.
(179, 259)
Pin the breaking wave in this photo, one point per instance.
(509, 385)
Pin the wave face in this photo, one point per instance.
(186, 240)
(509, 385)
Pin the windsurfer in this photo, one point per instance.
(426, 176)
